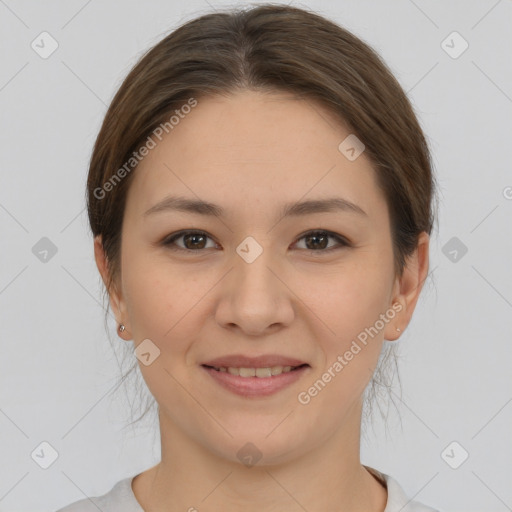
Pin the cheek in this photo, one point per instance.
(164, 304)
(347, 326)
(151, 292)
(147, 303)
(350, 307)
(161, 308)
(348, 298)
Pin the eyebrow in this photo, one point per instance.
(183, 204)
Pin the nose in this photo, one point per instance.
(255, 298)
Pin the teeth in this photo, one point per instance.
(256, 372)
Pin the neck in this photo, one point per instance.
(328, 477)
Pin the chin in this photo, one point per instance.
(253, 447)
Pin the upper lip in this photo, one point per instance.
(265, 361)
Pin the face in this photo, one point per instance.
(253, 282)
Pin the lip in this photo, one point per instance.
(264, 361)
(255, 387)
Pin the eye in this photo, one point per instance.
(193, 240)
(316, 241)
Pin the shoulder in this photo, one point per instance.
(397, 499)
(119, 499)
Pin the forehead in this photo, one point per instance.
(253, 149)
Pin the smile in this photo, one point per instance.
(256, 372)
(256, 382)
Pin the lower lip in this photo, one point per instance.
(256, 386)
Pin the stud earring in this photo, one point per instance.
(398, 329)
(121, 327)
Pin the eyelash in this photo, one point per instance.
(169, 242)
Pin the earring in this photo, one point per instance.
(398, 329)
(121, 327)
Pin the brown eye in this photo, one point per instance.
(192, 240)
(317, 241)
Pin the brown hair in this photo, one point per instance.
(267, 48)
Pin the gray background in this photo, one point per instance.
(57, 367)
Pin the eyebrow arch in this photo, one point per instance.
(177, 203)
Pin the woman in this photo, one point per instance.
(260, 194)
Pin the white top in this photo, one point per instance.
(121, 498)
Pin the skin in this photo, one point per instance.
(250, 153)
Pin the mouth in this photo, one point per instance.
(261, 373)
(256, 382)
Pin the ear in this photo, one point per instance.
(408, 287)
(115, 297)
